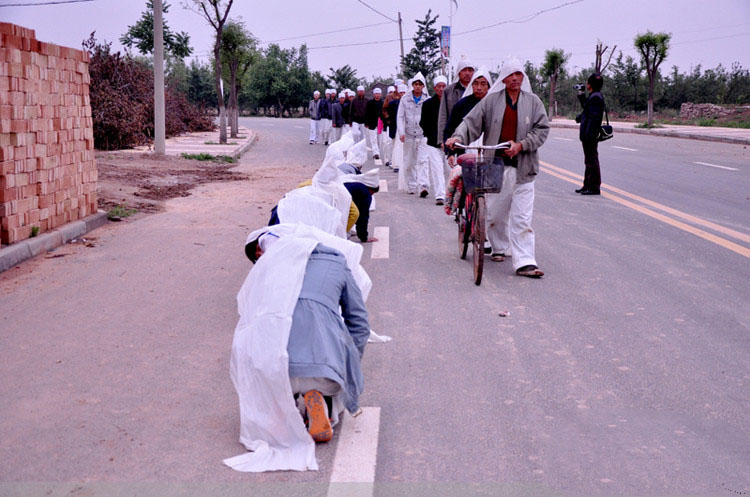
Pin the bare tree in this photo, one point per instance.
(601, 51)
(653, 48)
(216, 13)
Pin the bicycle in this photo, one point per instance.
(479, 175)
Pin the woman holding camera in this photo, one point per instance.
(591, 124)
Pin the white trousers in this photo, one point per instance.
(414, 169)
(358, 132)
(336, 134)
(509, 216)
(374, 139)
(386, 148)
(314, 130)
(433, 163)
(325, 125)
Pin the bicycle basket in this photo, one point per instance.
(482, 176)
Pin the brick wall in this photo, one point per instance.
(47, 169)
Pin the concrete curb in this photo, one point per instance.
(664, 132)
(246, 146)
(18, 252)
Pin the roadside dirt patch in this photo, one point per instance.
(143, 181)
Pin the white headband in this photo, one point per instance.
(439, 79)
(402, 88)
(360, 88)
(377, 91)
(391, 89)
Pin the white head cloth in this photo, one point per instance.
(360, 88)
(270, 424)
(328, 178)
(316, 92)
(402, 88)
(417, 77)
(338, 149)
(481, 72)
(510, 66)
(342, 95)
(398, 82)
(463, 63)
(377, 91)
(349, 92)
(391, 89)
(328, 91)
(371, 178)
(438, 80)
(356, 155)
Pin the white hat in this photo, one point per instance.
(377, 91)
(316, 92)
(349, 92)
(416, 78)
(510, 66)
(463, 63)
(328, 91)
(356, 155)
(391, 89)
(360, 88)
(371, 178)
(342, 94)
(438, 80)
(402, 88)
(479, 73)
(398, 82)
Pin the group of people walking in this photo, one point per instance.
(416, 135)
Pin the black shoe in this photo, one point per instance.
(376, 156)
(590, 192)
(580, 190)
(423, 193)
(326, 143)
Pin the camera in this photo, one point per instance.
(580, 87)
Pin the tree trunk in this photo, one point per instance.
(219, 93)
(552, 84)
(233, 99)
(650, 99)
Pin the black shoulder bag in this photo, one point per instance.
(606, 132)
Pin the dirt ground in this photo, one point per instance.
(143, 181)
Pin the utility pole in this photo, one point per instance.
(401, 36)
(159, 121)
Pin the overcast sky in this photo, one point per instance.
(703, 32)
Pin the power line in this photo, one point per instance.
(328, 32)
(519, 20)
(377, 11)
(55, 2)
(356, 44)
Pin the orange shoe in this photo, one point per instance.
(318, 423)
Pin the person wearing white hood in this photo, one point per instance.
(453, 93)
(413, 173)
(475, 92)
(510, 112)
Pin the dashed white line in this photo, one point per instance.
(299, 127)
(378, 162)
(717, 166)
(356, 455)
(625, 148)
(383, 185)
(381, 248)
(563, 139)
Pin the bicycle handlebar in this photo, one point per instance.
(499, 146)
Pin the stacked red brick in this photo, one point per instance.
(47, 170)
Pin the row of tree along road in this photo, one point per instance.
(245, 78)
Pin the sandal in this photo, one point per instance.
(530, 271)
(498, 257)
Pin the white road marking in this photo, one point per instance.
(383, 185)
(378, 162)
(356, 455)
(300, 127)
(381, 248)
(714, 165)
(563, 139)
(625, 148)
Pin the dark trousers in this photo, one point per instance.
(592, 178)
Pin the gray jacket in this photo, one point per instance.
(409, 115)
(314, 108)
(532, 129)
(452, 94)
(321, 344)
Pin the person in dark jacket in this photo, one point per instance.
(325, 112)
(359, 110)
(591, 124)
(432, 149)
(480, 85)
(337, 120)
(453, 93)
(372, 115)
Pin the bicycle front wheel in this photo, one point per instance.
(479, 218)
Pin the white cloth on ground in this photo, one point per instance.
(509, 215)
(356, 155)
(370, 179)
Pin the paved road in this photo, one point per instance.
(623, 372)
